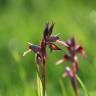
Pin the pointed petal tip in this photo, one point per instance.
(58, 34)
(26, 52)
(23, 54)
(59, 62)
(29, 43)
(52, 46)
(63, 43)
(64, 75)
(67, 68)
(84, 54)
(53, 23)
(81, 50)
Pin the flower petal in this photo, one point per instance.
(53, 38)
(51, 29)
(26, 52)
(66, 57)
(81, 50)
(38, 61)
(68, 72)
(46, 32)
(38, 58)
(68, 42)
(34, 48)
(60, 61)
(53, 46)
(64, 74)
(63, 43)
(72, 42)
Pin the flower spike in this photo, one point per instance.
(40, 51)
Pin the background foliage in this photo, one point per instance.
(24, 20)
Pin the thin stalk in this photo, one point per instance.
(39, 85)
(43, 77)
(82, 85)
(75, 86)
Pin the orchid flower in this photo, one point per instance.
(73, 49)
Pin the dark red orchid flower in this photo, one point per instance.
(73, 48)
(47, 40)
(33, 48)
(69, 73)
(37, 50)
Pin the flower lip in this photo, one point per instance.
(53, 38)
(34, 48)
(52, 46)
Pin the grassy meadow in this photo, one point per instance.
(23, 21)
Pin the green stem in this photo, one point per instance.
(82, 85)
(43, 78)
(39, 85)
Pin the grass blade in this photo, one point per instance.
(82, 85)
(39, 86)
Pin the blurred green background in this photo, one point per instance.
(24, 20)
